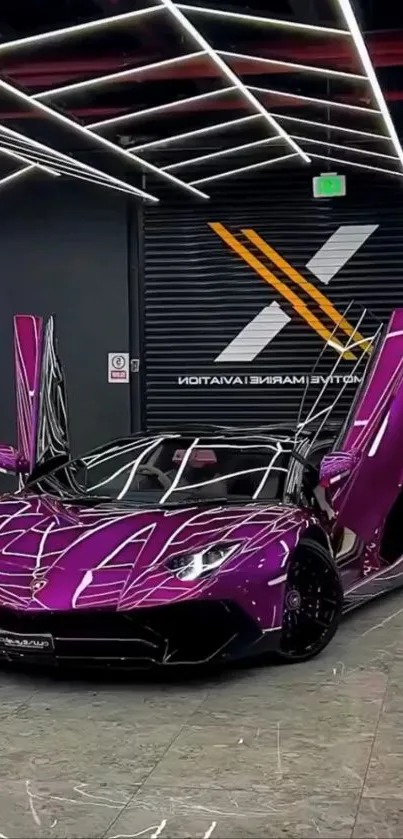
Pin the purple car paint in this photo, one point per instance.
(113, 559)
(12, 460)
(28, 339)
(189, 547)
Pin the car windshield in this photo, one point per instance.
(175, 469)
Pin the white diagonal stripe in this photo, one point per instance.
(255, 336)
(339, 249)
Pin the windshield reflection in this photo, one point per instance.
(172, 468)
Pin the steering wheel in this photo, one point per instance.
(153, 472)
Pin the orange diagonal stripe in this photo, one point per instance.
(298, 304)
(323, 302)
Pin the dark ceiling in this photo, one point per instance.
(251, 50)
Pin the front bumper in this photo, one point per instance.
(185, 633)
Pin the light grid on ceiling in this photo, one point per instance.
(40, 156)
(279, 127)
(38, 99)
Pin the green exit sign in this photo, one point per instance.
(329, 186)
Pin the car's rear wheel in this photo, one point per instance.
(313, 602)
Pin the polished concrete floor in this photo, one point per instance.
(313, 750)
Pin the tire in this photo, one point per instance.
(313, 603)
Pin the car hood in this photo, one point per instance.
(111, 557)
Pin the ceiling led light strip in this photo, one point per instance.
(198, 132)
(231, 76)
(48, 159)
(307, 68)
(78, 29)
(18, 174)
(262, 21)
(330, 126)
(68, 172)
(351, 21)
(245, 169)
(95, 182)
(57, 116)
(22, 159)
(118, 75)
(38, 158)
(358, 165)
(328, 102)
(84, 167)
(54, 157)
(191, 161)
(65, 171)
(344, 148)
(167, 106)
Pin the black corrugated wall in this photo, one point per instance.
(200, 294)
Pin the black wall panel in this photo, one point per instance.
(72, 250)
(199, 294)
(63, 250)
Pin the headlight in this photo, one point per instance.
(193, 565)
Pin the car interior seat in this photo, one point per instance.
(201, 468)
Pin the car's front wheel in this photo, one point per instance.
(313, 602)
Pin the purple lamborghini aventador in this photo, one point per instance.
(198, 545)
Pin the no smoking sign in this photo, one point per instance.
(118, 367)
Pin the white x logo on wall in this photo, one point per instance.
(328, 261)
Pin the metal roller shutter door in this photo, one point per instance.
(199, 295)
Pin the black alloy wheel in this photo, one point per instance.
(313, 602)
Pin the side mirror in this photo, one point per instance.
(12, 460)
(337, 465)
